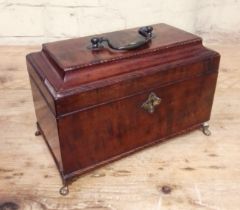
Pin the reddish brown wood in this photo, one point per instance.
(88, 104)
(123, 125)
(47, 123)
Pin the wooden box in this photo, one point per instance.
(98, 99)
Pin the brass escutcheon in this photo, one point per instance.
(150, 104)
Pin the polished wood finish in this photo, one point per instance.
(199, 170)
(92, 100)
(47, 124)
(110, 131)
(73, 54)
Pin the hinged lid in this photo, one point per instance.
(77, 76)
(76, 54)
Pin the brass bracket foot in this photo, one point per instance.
(64, 190)
(37, 133)
(205, 129)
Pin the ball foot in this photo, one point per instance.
(37, 133)
(205, 129)
(64, 190)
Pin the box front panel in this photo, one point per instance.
(101, 133)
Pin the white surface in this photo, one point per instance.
(37, 21)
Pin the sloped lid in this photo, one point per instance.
(74, 54)
(77, 77)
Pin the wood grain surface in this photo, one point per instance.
(189, 172)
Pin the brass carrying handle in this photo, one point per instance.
(145, 32)
(152, 101)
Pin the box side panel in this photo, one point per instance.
(47, 123)
(100, 134)
(39, 79)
